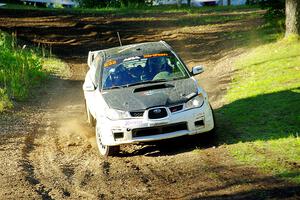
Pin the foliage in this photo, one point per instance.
(111, 3)
(92, 3)
(276, 8)
(263, 106)
(20, 70)
(4, 100)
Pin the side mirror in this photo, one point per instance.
(89, 86)
(197, 70)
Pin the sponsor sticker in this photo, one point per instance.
(131, 123)
(155, 55)
(109, 63)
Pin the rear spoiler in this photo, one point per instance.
(91, 57)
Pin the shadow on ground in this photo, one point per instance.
(263, 117)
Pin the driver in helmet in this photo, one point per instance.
(157, 65)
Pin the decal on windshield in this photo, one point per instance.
(132, 58)
(109, 63)
(155, 55)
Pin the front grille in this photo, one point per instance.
(140, 132)
(137, 113)
(157, 113)
(176, 108)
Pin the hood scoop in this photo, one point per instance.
(153, 87)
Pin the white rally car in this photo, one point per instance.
(143, 92)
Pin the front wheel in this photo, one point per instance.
(213, 131)
(106, 150)
(211, 136)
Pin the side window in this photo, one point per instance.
(98, 64)
(95, 70)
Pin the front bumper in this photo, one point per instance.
(185, 122)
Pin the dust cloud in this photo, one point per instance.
(74, 132)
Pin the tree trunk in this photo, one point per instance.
(189, 3)
(228, 2)
(292, 22)
(178, 3)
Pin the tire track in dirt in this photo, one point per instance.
(28, 168)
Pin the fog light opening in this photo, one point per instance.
(118, 135)
(199, 123)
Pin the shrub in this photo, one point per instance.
(93, 3)
(276, 8)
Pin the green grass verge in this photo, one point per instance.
(22, 69)
(263, 110)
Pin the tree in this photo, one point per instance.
(292, 11)
(188, 3)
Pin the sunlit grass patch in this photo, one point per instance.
(280, 157)
(56, 67)
(267, 69)
(263, 111)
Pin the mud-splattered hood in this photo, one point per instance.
(145, 96)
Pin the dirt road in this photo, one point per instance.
(47, 150)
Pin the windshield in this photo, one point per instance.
(142, 69)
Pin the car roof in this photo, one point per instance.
(136, 49)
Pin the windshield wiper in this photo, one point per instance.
(178, 78)
(147, 82)
(114, 87)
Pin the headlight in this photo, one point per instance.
(195, 102)
(114, 114)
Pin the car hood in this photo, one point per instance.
(145, 96)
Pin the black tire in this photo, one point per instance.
(211, 135)
(104, 149)
(91, 120)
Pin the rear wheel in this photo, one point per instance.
(91, 120)
(106, 150)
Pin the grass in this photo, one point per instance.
(21, 69)
(264, 109)
(4, 100)
(136, 10)
(56, 67)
